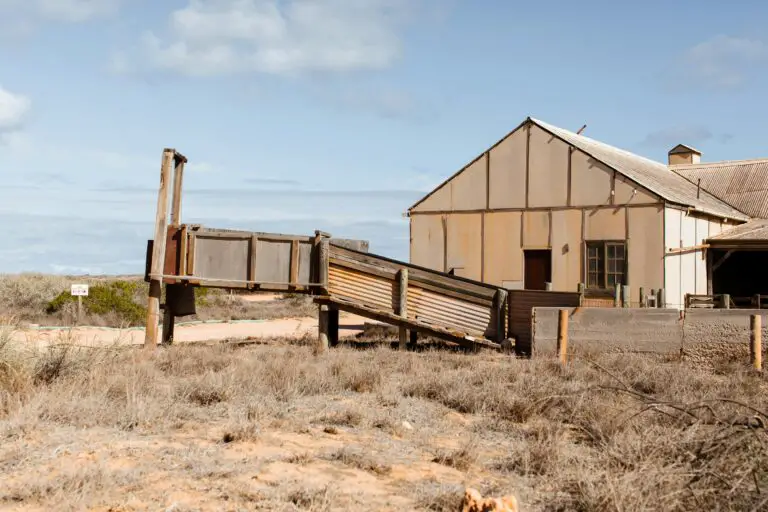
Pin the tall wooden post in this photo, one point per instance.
(562, 337)
(642, 297)
(402, 302)
(661, 298)
(756, 342)
(158, 252)
(169, 319)
(626, 296)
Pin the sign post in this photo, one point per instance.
(79, 291)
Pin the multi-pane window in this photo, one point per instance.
(606, 264)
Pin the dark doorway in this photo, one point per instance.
(741, 274)
(538, 269)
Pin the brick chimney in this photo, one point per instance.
(682, 154)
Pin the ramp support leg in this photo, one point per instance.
(414, 341)
(402, 308)
(169, 322)
(323, 325)
(333, 326)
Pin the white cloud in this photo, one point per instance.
(71, 11)
(14, 109)
(722, 62)
(278, 36)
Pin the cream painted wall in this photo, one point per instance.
(548, 170)
(646, 249)
(427, 241)
(464, 244)
(507, 172)
(503, 253)
(566, 250)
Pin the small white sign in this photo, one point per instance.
(79, 290)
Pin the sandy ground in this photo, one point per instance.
(349, 325)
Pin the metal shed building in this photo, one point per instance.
(547, 205)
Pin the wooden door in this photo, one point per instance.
(538, 269)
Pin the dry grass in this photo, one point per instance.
(277, 428)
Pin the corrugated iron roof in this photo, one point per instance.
(754, 230)
(741, 183)
(655, 176)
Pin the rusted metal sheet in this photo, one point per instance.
(521, 304)
(172, 262)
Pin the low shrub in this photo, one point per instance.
(115, 297)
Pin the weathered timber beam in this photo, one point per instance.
(413, 325)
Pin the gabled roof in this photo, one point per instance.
(682, 148)
(654, 176)
(741, 183)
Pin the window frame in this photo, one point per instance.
(603, 272)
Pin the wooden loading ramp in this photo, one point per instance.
(340, 274)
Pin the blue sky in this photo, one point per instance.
(299, 115)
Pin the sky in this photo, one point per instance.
(337, 115)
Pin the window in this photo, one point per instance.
(606, 264)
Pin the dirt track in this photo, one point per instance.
(350, 325)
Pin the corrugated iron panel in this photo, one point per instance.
(521, 304)
(655, 176)
(433, 298)
(449, 312)
(367, 289)
(743, 184)
(753, 230)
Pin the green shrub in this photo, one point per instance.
(116, 297)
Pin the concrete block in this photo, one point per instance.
(720, 333)
(610, 329)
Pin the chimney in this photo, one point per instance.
(682, 154)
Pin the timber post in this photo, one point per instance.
(756, 342)
(499, 303)
(322, 243)
(157, 262)
(323, 328)
(169, 319)
(642, 297)
(562, 336)
(333, 326)
(402, 305)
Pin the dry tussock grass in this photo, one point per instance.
(620, 433)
